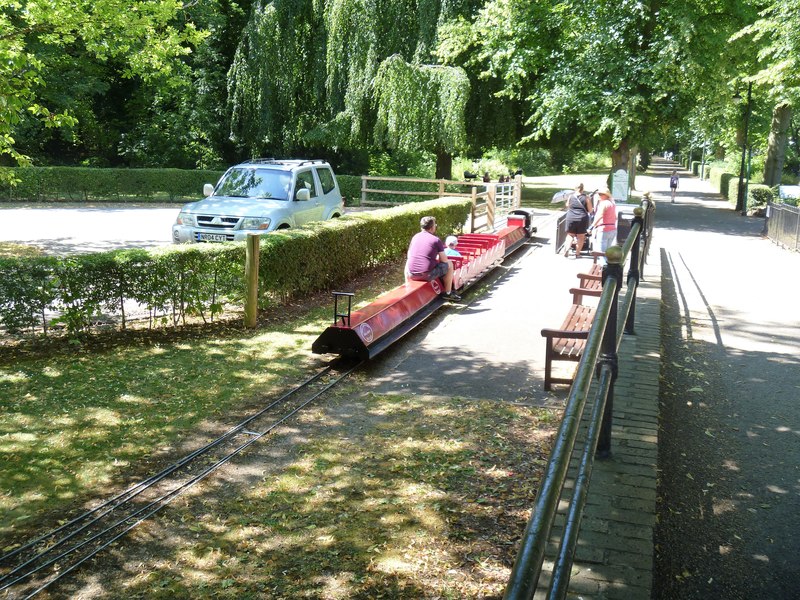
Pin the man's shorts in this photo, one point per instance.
(438, 271)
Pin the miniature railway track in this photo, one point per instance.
(39, 563)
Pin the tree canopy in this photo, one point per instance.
(207, 82)
(41, 40)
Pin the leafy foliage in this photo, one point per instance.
(174, 283)
(83, 184)
(147, 37)
(421, 106)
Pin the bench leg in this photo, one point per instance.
(548, 363)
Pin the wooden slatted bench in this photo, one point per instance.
(568, 342)
(590, 284)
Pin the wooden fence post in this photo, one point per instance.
(491, 193)
(251, 280)
(517, 191)
(474, 206)
(441, 188)
(363, 190)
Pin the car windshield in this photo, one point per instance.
(243, 182)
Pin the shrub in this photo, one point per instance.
(721, 180)
(174, 282)
(350, 188)
(35, 184)
(759, 195)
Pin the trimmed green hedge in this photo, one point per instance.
(350, 188)
(199, 279)
(721, 180)
(759, 194)
(80, 184)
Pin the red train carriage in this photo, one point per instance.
(368, 331)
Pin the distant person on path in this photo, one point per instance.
(427, 259)
(579, 207)
(673, 184)
(604, 226)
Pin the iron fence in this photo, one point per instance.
(783, 225)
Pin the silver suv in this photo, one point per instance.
(261, 195)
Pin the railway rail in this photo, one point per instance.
(41, 562)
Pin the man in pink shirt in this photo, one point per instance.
(427, 259)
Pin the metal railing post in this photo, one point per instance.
(634, 271)
(608, 351)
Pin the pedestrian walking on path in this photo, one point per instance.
(673, 184)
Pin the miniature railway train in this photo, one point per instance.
(366, 332)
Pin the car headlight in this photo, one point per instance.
(255, 223)
(185, 218)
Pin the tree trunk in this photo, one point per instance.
(776, 147)
(621, 156)
(444, 165)
(632, 167)
(621, 159)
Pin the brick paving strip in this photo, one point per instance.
(614, 556)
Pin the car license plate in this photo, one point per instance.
(211, 237)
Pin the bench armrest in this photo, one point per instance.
(579, 293)
(563, 333)
(589, 276)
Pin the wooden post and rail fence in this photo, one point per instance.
(489, 205)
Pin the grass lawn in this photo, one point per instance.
(537, 192)
(364, 496)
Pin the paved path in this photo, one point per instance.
(717, 415)
(730, 437)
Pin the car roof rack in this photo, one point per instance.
(295, 162)
(262, 161)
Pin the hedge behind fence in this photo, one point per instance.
(200, 279)
(79, 184)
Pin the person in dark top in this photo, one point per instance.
(673, 184)
(427, 259)
(579, 207)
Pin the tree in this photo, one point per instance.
(147, 37)
(779, 39)
(608, 75)
(334, 76)
(422, 107)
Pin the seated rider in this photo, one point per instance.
(427, 259)
(451, 242)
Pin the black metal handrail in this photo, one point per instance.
(600, 355)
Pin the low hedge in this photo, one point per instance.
(721, 180)
(759, 194)
(81, 184)
(199, 279)
(350, 188)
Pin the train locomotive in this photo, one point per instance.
(366, 332)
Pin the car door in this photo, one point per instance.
(309, 210)
(330, 197)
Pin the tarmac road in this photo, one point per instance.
(729, 440)
(81, 228)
